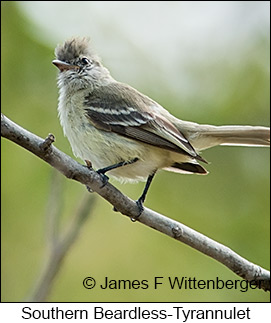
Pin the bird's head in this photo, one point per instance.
(78, 66)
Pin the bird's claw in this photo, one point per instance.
(104, 178)
(139, 204)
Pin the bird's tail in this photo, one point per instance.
(204, 136)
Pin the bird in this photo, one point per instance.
(125, 134)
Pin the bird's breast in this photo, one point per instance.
(105, 148)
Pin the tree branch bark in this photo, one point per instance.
(73, 170)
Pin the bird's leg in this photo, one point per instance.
(142, 198)
(102, 171)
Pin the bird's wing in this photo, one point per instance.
(119, 110)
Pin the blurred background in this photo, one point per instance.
(204, 61)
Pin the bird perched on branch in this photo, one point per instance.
(124, 133)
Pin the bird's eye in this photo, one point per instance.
(85, 61)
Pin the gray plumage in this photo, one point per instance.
(108, 122)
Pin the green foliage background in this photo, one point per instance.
(230, 205)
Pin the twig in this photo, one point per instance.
(54, 208)
(72, 169)
(59, 247)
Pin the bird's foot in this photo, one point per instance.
(104, 178)
(140, 206)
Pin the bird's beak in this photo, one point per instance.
(63, 66)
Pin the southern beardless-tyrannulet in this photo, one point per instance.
(126, 134)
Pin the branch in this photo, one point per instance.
(73, 170)
(59, 246)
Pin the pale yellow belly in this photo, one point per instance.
(104, 149)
